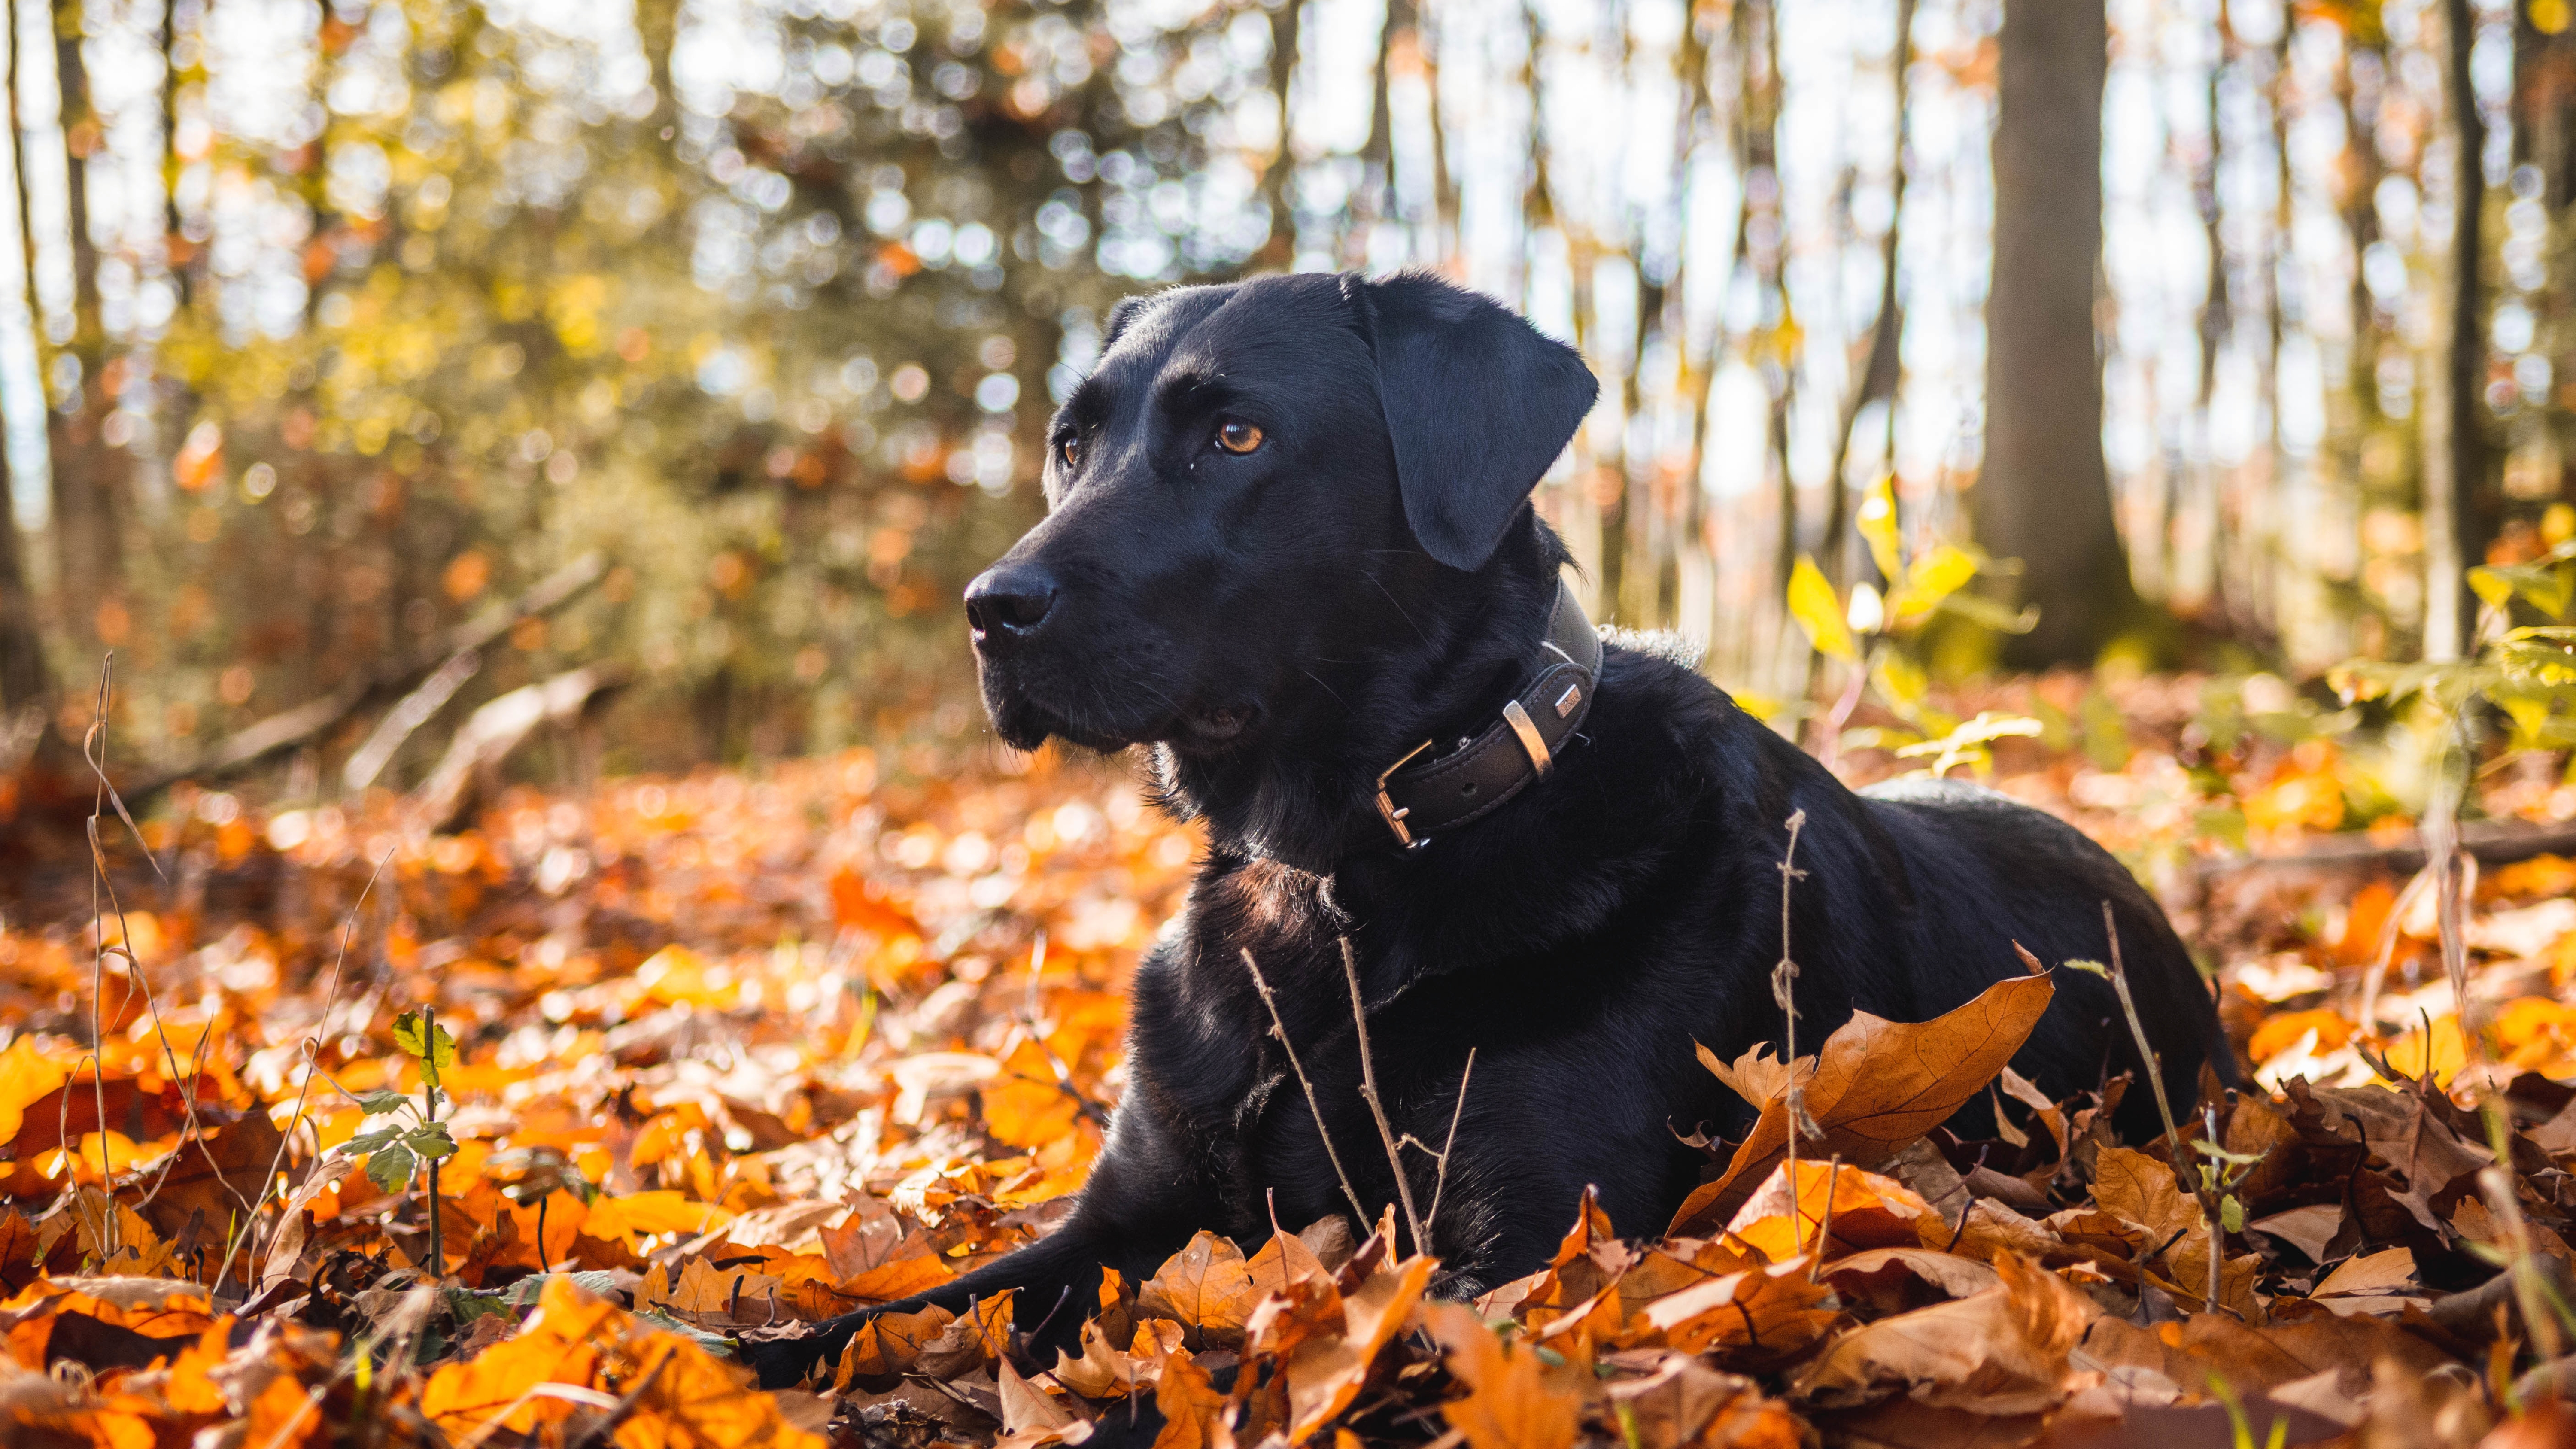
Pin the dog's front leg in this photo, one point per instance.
(1054, 1277)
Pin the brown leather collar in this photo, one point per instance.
(1485, 771)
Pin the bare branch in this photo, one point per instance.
(1377, 1108)
(1279, 1029)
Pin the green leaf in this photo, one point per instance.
(2089, 968)
(375, 1141)
(2231, 1215)
(431, 1141)
(390, 1167)
(433, 1056)
(378, 1103)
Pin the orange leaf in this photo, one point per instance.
(1206, 1285)
(1326, 1371)
(559, 1344)
(1192, 1408)
(687, 1398)
(1879, 1084)
(1507, 1405)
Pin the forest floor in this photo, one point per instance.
(745, 1049)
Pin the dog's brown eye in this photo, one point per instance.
(1071, 449)
(1238, 437)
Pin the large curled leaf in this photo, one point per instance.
(1879, 1084)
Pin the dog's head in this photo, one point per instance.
(1249, 487)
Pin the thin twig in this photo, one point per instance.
(304, 1090)
(1824, 1227)
(2208, 1200)
(1377, 1108)
(1440, 1184)
(1279, 1029)
(1784, 982)
(429, 1116)
(2442, 844)
(2388, 931)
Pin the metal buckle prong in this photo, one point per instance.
(1386, 806)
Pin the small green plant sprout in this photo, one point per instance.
(1880, 637)
(2221, 1173)
(412, 1139)
(2240, 1426)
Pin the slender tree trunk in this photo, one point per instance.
(2217, 318)
(2458, 514)
(87, 490)
(2044, 494)
(24, 680)
(1880, 368)
(1279, 179)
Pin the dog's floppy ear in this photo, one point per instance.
(1120, 315)
(1478, 402)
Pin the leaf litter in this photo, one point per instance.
(699, 1057)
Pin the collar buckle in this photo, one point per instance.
(1392, 813)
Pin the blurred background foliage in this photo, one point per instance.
(2224, 332)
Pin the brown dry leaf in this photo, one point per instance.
(2381, 1282)
(2308, 1229)
(888, 1343)
(1882, 1277)
(1193, 1411)
(708, 1296)
(2298, 1344)
(1863, 1209)
(1757, 1076)
(1103, 1372)
(1990, 1228)
(1326, 1370)
(1207, 1286)
(2001, 1352)
(2141, 1190)
(687, 1398)
(220, 1174)
(560, 1344)
(2477, 1224)
(1684, 1402)
(1508, 1404)
(1761, 1313)
(2051, 1116)
(1573, 1304)
(1029, 1417)
(1879, 1084)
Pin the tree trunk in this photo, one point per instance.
(87, 529)
(24, 680)
(2458, 506)
(1881, 367)
(2044, 494)
(1278, 180)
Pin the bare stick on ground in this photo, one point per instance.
(1279, 1029)
(1377, 1108)
(2210, 1209)
(1784, 990)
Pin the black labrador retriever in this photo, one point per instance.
(1291, 551)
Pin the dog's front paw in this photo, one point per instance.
(784, 1363)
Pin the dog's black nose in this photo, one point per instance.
(1009, 603)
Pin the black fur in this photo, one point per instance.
(1278, 626)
